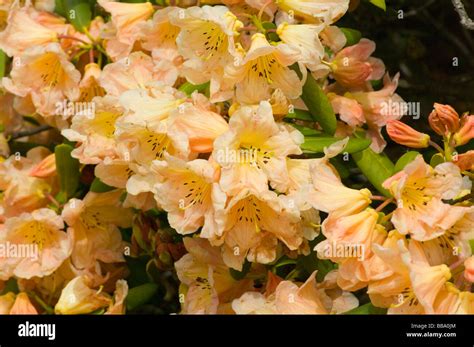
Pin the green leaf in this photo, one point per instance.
(380, 4)
(341, 167)
(189, 88)
(140, 295)
(436, 159)
(376, 167)
(98, 186)
(3, 63)
(368, 309)
(68, 170)
(317, 144)
(300, 115)
(405, 159)
(307, 131)
(311, 263)
(352, 36)
(78, 12)
(59, 8)
(318, 105)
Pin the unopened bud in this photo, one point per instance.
(469, 269)
(444, 119)
(45, 168)
(406, 135)
(466, 131)
(465, 161)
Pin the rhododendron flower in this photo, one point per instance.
(444, 119)
(253, 222)
(209, 286)
(289, 298)
(22, 192)
(303, 37)
(254, 150)
(132, 72)
(263, 68)
(189, 192)
(406, 135)
(321, 11)
(94, 221)
(466, 130)
(125, 21)
(94, 130)
(45, 73)
(418, 189)
(78, 297)
(199, 124)
(23, 32)
(41, 231)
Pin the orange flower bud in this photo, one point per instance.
(469, 269)
(406, 135)
(45, 168)
(465, 161)
(444, 119)
(466, 131)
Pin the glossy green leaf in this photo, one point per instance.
(307, 131)
(300, 115)
(318, 105)
(317, 144)
(405, 159)
(380, 4)
(3, 63)
(78, 12)
(98, 186)
(140, 295)
(352, 36)
(190, 88)
(368, 309)
(376, 167)
(68, 170)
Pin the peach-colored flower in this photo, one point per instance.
(353, 65)
(262, 69)
(198, 123)
(40, 233)
(132, 72)
(94, 131)
(23, 32)
(189, 192)
(303, 37)
(45, 73)
(94, 221)
(418, 189)
(125, 25)
(89, 84)
(253, 222)
(21, 191)
(315, 11)
(80, 297)
(254, 150)
(208, 285)
(289, 298)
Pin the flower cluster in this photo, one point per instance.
(200, 156)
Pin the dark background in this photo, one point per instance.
(421, 46)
